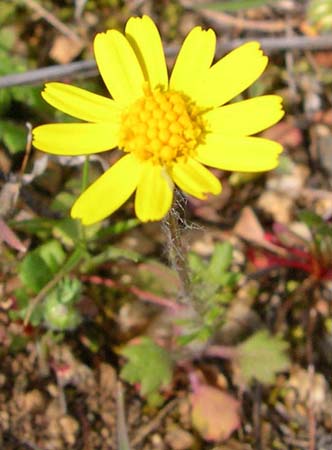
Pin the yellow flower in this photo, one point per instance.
(167, 128)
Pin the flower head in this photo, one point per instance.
(167, 128)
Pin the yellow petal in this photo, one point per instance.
(109, 192)
(154, 193)
(243, 154)
(231, 75)
(193, 61)
(119, 66)
(144, 38)
(247, 117)
(81, 103)
(195, 179)
(76, 138)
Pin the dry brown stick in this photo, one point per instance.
(278, 43)
(154, 424)
(28, 147)
(50, 18)
(88, 68)
(228, 20)
(267, 26)
(56, 72)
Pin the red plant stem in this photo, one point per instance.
(221, 351)
(140, 293)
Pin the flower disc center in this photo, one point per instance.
(161, 127)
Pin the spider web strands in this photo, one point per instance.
(87, 69)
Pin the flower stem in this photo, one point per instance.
(177, 251)
(84, 184)
(173, 226)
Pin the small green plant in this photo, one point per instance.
(56, 310)
(149, 365)
(260, 357)
(311, 255)
(60, 313)
(213, 282)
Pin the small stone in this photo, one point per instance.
(157, 442)
(34, 401)
(278, 205)
(179, 439)
(70, 428)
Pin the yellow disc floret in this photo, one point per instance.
(162, 127)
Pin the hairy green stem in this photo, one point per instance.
(177, 251)
(173, 226)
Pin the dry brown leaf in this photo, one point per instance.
(215, 414)
(286, 133)
(7, 235)
(64, 49)
(249, 228)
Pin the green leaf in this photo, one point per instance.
(14, 136)
(196, 263)
(53, 255)
(34, 272)
(23, 299)
(234, 5)
(62, 202)
(261, 357)
(67, 230)
(30, 96)
(74, 259)
(118, 227)
(311, 219)
(229, 279)
(39, 265)
(149, 365)
(5, 99)
(220, 260)
(33, 226)
(111, 253)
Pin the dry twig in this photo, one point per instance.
(268, 26)
(87, 69)
(154, 424)
(50, 18)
